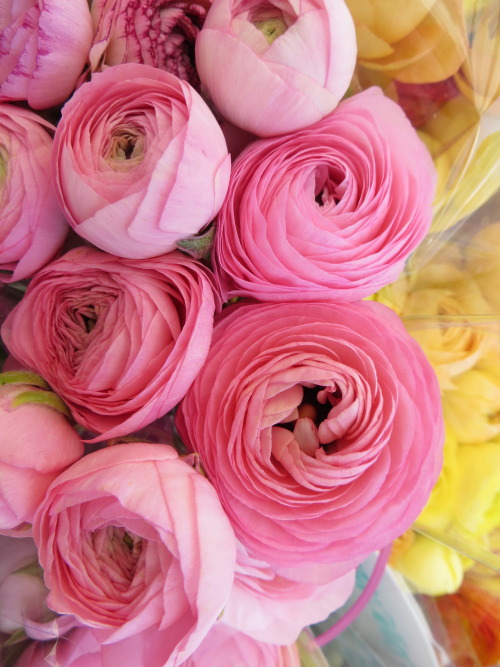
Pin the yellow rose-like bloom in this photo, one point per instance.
(478, 511)
(436, 303)
(483, 260)
(430, 567)
(439, 510)
(479, 77)
(465, 147)
(438, 318)
(472, 409)
(485, 577)
(422, 42)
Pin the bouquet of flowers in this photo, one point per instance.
(220, 222)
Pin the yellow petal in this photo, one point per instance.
(431, 568)
(479, 488)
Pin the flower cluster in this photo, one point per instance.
(205, 429)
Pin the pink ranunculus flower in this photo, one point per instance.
(119, 340)
(44, 45)
(32, 225)
(320, 426)
(161, 34)
(226, 647)
(133, 540)
(274, 609)
(139, 161)
(330, 213)
(22, 591)
(37, 444)
(286, 64)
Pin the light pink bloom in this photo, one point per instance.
(160, 34)
(133, 539)
(37, 443)
(330, 213)
(223, 647)
(32, 226)
(22, 592)
(320, 426)
(139, 161)
(119, 340)
(44, 45)
(274, 609)
(226, 647)
(276, 67)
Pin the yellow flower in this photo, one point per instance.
(472, 409)
(424, 43)
(465, 147)
(430, 567)
(479, 77)
(438, 318)
(478, 511)
(436, 303)
(483, 260)
(439, 510)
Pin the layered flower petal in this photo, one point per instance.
(314, 515)
(135, 544)
(286, 64)
(119, 340)
(139, 161)
(32, 225)
(43, 48)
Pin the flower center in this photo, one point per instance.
(323, 417)
(126, 148)
(118, 552)
(329, 185)
(271, 28)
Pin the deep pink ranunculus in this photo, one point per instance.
(320, 426)
(32, 225)
(44, 45)
(139, 161)
(329, 213)
(135, 544)
(279, 66)
(119, 340)
(274, 609)
(161, 34)
(37, 443)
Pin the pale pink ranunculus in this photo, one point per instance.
(119, 340)
(32, 225)
(271, 608)
(223, 647)
(37, 443)
(44, 45)
(22, 592)
(329, 213)
(320, 426)
(226, 647)
(285, 64)
(160, 34)
(139, 161)
(133, 540)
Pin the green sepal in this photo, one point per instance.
(17, 636)
(199, 247)
(23, 377)
(41, 397)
